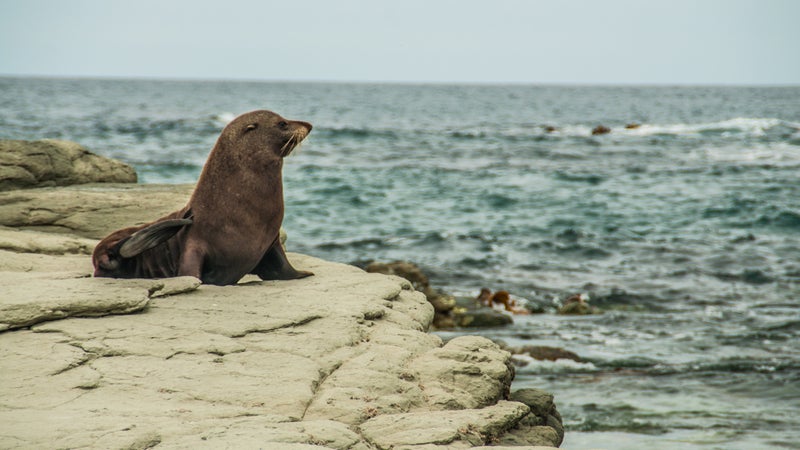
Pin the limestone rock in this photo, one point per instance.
(442, 302)
(90, 211)
(277, 364)
(30, 299)
(403, 269)
(26, 164)
(254, 432)
(24, 241)
(477, 427)
(468, 372)
(329, 361)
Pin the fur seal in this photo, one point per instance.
(230, 226)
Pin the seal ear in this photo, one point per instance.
(151, 235)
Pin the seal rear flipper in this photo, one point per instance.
(275, 266)
(151, 236)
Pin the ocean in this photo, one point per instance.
(683, 230)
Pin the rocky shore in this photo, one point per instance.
(340, 360)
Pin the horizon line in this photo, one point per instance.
(394, 82)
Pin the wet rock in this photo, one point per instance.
(543, 426)
(578, 309)
(28, 164)
(632, 126)
(545, 353)
(600, 129)
(481, 318)
(442, 303)
(578, 305)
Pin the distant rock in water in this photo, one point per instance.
(577, 305)
(632, 126)
(600, 129)
(49, 162)
(550, 129)
(481, 318)
(449, 312)
(545, 353)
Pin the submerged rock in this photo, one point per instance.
(545, 353)
(578, 305)
(600, 129)
(481, 318)
(49, 162)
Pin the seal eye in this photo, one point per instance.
(251, 127)
(283, 125)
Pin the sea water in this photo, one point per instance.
(683, 230)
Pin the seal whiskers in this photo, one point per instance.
(294, 142)
(288, 146)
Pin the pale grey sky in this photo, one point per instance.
(555, 41)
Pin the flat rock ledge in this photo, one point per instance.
(340, 360)
(52, 162)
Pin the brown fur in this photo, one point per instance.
(230, 226)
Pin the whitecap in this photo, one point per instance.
(225, 117)
(731, 127)
(535, 366)
(779, 153)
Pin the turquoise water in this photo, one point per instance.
(685, 230)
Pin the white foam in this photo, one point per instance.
(536, 366)
(739, 125)
(780, 153)
(225, 118)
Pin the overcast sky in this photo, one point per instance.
(554, 41)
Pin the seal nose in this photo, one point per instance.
(305, 125)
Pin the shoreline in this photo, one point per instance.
(339, 360)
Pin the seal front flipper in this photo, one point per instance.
(151, 236)
(275, 266)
